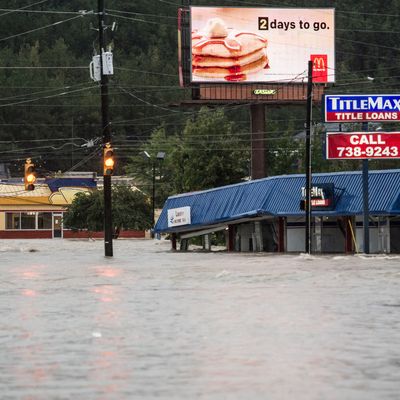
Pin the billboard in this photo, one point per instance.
(362, 145)
(361, 107)
(244, 44)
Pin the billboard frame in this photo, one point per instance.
(278, 82)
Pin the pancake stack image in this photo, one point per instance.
(223, 53)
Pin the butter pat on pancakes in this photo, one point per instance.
(219, 52)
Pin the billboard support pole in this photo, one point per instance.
(257, 112)
(365, 173)
(308, 246)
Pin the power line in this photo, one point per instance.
(40, 140)
(369, 44)
(43, 67)
(169, 2)
(43, 27)
(366, 13)
(142, 14)
(45, 97)
(140, 20)
(42, 91)
(22, 8)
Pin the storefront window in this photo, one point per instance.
(28, 220)
(13, 221)
(44, 220)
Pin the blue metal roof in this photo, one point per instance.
(280, 196)
(55, 183)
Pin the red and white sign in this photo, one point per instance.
(320, 67)
(320, 202)
(362, 145)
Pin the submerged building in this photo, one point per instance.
(268, 214)
(38, 213)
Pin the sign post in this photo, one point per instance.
(362, 145)
(365, 197)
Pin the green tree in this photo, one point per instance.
(131, 210)
(210, 152)
(213, 153)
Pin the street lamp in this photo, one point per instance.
(160, 156)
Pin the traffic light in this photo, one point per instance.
(108, 159)
(30, 175)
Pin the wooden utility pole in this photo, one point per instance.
(106, 133)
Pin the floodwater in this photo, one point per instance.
(155, 324)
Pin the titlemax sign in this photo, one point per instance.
(362, 108)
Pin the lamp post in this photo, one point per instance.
(160, 156)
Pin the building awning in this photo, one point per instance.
(280, 196)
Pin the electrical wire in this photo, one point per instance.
(42, 91)
(140, 20)
(85, 160)
(46, 97)
(146, 102)
(369, 44)
(44, 67)
(41, 140)
(22, 8)
(142, 14)
(169, 3)
(43, 27)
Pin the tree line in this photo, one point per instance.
(50, 108)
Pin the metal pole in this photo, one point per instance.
(108, 229)
(308, 159)
(365, 197)
(72, 141)
(257, 114)
(153, 199)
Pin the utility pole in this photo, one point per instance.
(153, 198)
(308, 158)
(106, 133)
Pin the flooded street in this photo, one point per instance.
(154, 324)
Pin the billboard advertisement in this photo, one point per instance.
(231, 44)
(362, 145)
(362, 107)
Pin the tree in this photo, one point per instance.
(131, 210)
(209, 153)
(213, 152)
(141, 167)
(49, 107)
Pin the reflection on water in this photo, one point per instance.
(151, 323)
